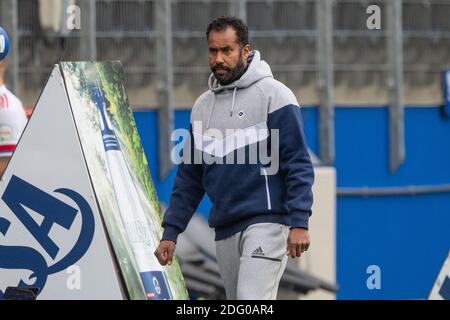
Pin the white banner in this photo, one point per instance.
(51, 233)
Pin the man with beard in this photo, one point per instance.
(259, 218)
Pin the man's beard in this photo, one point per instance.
(232, 73)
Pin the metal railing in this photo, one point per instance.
(285, 32)
(331, 60)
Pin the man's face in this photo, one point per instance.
(226, 58)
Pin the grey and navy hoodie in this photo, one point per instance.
(243, 194)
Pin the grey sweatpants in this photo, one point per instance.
(252, 262)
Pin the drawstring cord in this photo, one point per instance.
(232, 101)
(213, 102)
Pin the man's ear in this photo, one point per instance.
(246, 51)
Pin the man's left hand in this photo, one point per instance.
(297, 242)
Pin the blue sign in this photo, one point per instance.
(155, 285)
(20, 194)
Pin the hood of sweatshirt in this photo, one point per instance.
(257, 70)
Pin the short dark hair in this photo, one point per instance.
(223, 22)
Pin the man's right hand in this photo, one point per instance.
(165, 251)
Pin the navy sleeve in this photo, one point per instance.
(295, 163)
(186, 194)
